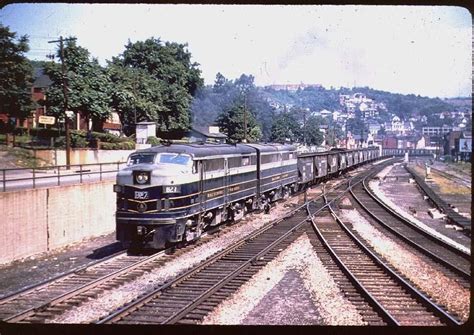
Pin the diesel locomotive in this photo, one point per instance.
(172, 193)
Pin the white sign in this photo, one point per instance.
(46, 119)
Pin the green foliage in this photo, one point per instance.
(312, 133)
(79, 140)
(153, 140)
(286, 128)
(15, 75)
(89, 87)
(154, 82)
(231, 122)
(212, 101)
(107, 137)
(118, 146)
(357, 126)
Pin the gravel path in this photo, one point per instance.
(293, 289)
(442, 289)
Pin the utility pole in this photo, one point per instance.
(304, 127)
(245, 117)
(66, 119)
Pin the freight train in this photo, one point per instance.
(172, 193)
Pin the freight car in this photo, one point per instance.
(172, 193)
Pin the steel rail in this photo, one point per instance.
(31, 288)
(189, 307)
(455, 217)
(127, 309)
(131, 307)
(419, 247)
(371, 300)
(434, 238)
(442, 314)
(24, 314)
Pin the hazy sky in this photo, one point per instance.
(405, 49)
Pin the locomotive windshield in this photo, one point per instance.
(169, 158)
(141, 158)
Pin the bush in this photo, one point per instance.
(117, 146)
(78, 140)
(109, 138)
(153, 140)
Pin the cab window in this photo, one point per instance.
(174, 159)
(141, 158)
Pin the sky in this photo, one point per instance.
(423, 50)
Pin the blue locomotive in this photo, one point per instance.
(172, 193)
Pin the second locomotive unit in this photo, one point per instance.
(168, 194)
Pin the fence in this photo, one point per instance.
(24, 178)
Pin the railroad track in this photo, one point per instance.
(44, 301)
(467, 182)
(52, 298)
(454, 262)
(190, 297)
(55, 296)
(452, 215)
(380, 295)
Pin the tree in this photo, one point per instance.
(156, 82)
(231, 122)
(312, 134)
(356, 126)
(16, 75)
(88, 85)
(286, 128)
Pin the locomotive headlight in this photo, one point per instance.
(142, 177)
(118, 188)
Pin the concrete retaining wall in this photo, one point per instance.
(83, 156)
(39, 220)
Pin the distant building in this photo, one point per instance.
(374, 127)
(436, 130)
(389, 142)
(358, 102)
(325, 113)
(211, 134)
(40, 85)
(292, 87)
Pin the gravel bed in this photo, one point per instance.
(444, 290)
(375, 187)
(260, 301)
(110, 300)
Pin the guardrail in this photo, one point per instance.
(25, 178)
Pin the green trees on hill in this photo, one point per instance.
(15, 75)
(213, 103)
